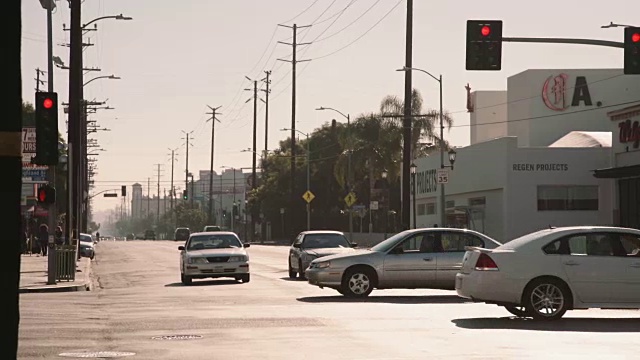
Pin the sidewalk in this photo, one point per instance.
(33, 276)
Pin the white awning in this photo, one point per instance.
(584, 139)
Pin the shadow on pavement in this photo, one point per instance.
(286, 278)
(434, 299)
(603, 325)
(204, 283)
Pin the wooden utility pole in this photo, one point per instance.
(210, 210)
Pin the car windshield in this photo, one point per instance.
(86, 238)
(387, 244)
(182, 232)
(319, 241)
(202, 242)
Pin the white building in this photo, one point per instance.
(533, 152)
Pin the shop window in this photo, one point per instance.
(450, 204)
(421, 209)
(567, 198)
(431, 208)
(479, 201)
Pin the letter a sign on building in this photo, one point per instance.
(554, 92)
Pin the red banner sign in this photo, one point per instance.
(629, 132)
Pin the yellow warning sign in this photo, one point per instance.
(308, 196)
(350, 199)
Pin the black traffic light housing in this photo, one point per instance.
(632, 50)
(484, 45)
(46, 128)
(185, 195)
(46, 194)
(123, 190)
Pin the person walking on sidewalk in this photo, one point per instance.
(58, 235)
(43, 237)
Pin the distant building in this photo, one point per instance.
(143, 206)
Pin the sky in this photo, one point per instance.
(176, 57)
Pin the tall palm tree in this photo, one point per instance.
(425, 122)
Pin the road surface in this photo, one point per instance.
(138, 297)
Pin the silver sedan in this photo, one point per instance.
(420, 258)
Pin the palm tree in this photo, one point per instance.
(425, 123)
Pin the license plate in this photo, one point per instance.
(218, 269)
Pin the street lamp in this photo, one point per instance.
(441, 140)
(387, 203)
(612, 25)
(308, 177)
(112, 77)
(414, 169)
(349, 181)
(452, 157)
(233, 218)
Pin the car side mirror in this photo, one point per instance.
(354, 245)
(247, 245)
(181, 248)
(296, 245)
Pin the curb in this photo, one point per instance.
(55, 288)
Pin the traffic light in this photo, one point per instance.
(123, 190)
(484, 45)
(632, 50)
(46, 128)
(185, 195)
(46, 194)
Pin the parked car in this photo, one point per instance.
(87, 246)
(214, 255)
(182, 234)
(149, 235)
(210, 228)
(420, 258)
(545, 273)
(310, 245)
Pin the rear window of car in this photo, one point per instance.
(523, 240)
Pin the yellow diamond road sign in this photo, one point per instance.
(350, 199)
(308, 196)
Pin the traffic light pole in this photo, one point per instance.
(565, 41)
(51, 172)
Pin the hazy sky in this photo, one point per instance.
(175, 57)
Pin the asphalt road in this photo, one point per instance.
(138, 296)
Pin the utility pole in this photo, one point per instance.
(37, 79)
(267, 91)
(158, 213)
(213, 119)
(11, 182)
(253, 162)
(186, 169)
(407, 123)
(148, 197)
(164, 201)
(172, 191)
(75, 122)
(294, 61)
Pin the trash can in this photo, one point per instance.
(65, 264)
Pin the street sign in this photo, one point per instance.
(308, 196)
(34, 174)
(281, 211)
(350, 199)
(443, 176)
(373, 205)
(358, 207)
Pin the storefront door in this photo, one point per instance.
(629, 195)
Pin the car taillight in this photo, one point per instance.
(485, 263)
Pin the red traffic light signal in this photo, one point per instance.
(486, 30)
(46, 194)
(47, 103)
(632, 51)
(42, 195)
(635, 37)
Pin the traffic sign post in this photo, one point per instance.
(443, 176)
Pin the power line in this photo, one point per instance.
(351, 23)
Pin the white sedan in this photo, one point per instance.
(214, 255)
(545, 273)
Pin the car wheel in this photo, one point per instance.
(547, 299)
(186, 280)
(358, 282)
(245, 278)
(518, 311)
(292, 272)
(301, 270)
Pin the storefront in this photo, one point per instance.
(506, 191)
(625, 124)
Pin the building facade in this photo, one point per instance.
(534, 149)
(625, 169)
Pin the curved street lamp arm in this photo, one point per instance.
(118, 17)
(338, 111)
(101, 192)
(102, 77)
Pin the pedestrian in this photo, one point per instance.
(43, 237)
(98, 236)
(58, 235)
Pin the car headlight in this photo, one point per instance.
(197, 260)
(237, 258)
(322, 264)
